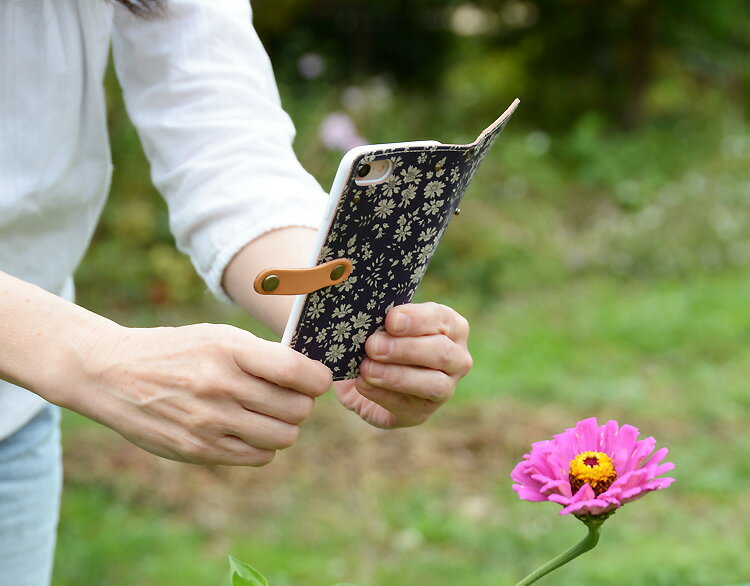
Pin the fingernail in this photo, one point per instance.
(382, 345)
(375, 372)
(400, 323)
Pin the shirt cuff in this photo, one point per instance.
(309, 216)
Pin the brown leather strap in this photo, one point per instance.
(300, 281)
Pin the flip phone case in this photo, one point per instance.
(389, 232)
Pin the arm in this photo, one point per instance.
(203, 393)
(285, 248)
(201, 92)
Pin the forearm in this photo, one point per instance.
(283, 248)
(42, 338)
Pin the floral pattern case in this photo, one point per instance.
(389, 231)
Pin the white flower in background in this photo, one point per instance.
(538, 143)
(469, 20)
(373, 96)
(354, 98)
(337, 131)
(311, 65)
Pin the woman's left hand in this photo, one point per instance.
(412, 367)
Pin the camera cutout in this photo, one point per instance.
(374, 172)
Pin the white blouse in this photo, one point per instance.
(199, 87)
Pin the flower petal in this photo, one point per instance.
(557, 487)
(542, 475)
(528, 494)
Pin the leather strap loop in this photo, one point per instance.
(302, 281)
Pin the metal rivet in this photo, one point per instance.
(355, 199)
(364, 170)
(337, 272)
(270, 283)
(458, 211)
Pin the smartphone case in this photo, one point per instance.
(389, 232)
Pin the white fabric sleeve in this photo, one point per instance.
(199, 88)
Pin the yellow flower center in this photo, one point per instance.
(593, 468)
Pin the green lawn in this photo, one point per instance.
(609, 278)
(434, 505)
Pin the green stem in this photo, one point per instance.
(587, 543)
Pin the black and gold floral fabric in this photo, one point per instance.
(389, 231)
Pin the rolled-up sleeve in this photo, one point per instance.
(199, 88)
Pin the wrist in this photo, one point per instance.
(76, 347)
(48, 343)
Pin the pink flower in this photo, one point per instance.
(591, 469)
(338, 132)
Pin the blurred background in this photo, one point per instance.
(602, 257)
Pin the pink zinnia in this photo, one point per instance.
(591, 469)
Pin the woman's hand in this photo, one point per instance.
(411, 368)
(208, 394)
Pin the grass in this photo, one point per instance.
(105, 541)
(608, 277)
(670, 357)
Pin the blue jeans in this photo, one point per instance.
(30, 487)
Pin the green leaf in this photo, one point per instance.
(243, 574)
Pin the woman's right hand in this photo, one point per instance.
(206, 393)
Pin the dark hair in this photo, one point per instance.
(144, 7)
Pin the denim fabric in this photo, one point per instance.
(30, 487)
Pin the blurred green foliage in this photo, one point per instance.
(672, 73)
(631, 61)
(602, 256)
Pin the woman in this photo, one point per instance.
(200, 90)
